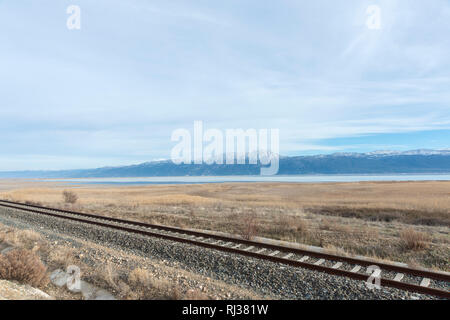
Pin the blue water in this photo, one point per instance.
(224, 179)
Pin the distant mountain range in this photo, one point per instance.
(378, 162)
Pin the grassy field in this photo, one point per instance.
(401, 221)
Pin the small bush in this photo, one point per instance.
(62, 257)
(326, 224)
(23, 266)
(248, 222)
(301, 225)
(21, 238)
(287, 227)
(414, 240)
(141, 277)
(70, 197)
(195, 294)
(142, 285)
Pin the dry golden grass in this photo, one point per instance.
(249, 225)
(123, 280)
(27, 239)
(23, 266)
(414, 240)
(140, 284)
(361, 218)
(429, 198)
(62, 256)
(146, 287)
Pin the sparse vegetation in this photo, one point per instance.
(364, 218)
(23, 266)
(70, 197)
(29, 267)
(145, 286)
(248, 222)
(414, 240)
(140, 284)
(62, 256)
(27, 239)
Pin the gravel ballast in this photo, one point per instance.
(263, 277)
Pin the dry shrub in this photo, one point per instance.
(334, 225)
(414, 240)
(301, 225)
(21, 238)
(345, 229)
(70, 197)
(289, 226)
(110, 278)
(145, 286)
(23, 266)
(173, 293)
(314, 238)
(141, 276)
(325, 224)
(62, 256)
(195, 294)
(370, 233)
(283, 223)
(248, 225)
(296, 224)
(332, 249)
(111, 275)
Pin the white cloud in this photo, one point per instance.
(137, 71)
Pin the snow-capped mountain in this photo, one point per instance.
(377, 162)
(422, 152)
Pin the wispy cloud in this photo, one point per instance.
(112, 92)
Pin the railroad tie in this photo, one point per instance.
(288, 256)
(376, 273)
(425, 282)
(319, 262)
(274, 253)
(425, 285)
(303, 259)
(356, 269)
(399, 277)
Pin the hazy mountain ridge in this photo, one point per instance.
(377, 162)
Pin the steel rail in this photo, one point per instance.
(353, 275)
(441, 276)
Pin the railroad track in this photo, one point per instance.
(394, 275)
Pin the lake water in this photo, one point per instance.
(224, 179)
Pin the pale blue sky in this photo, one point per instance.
(112, 92)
